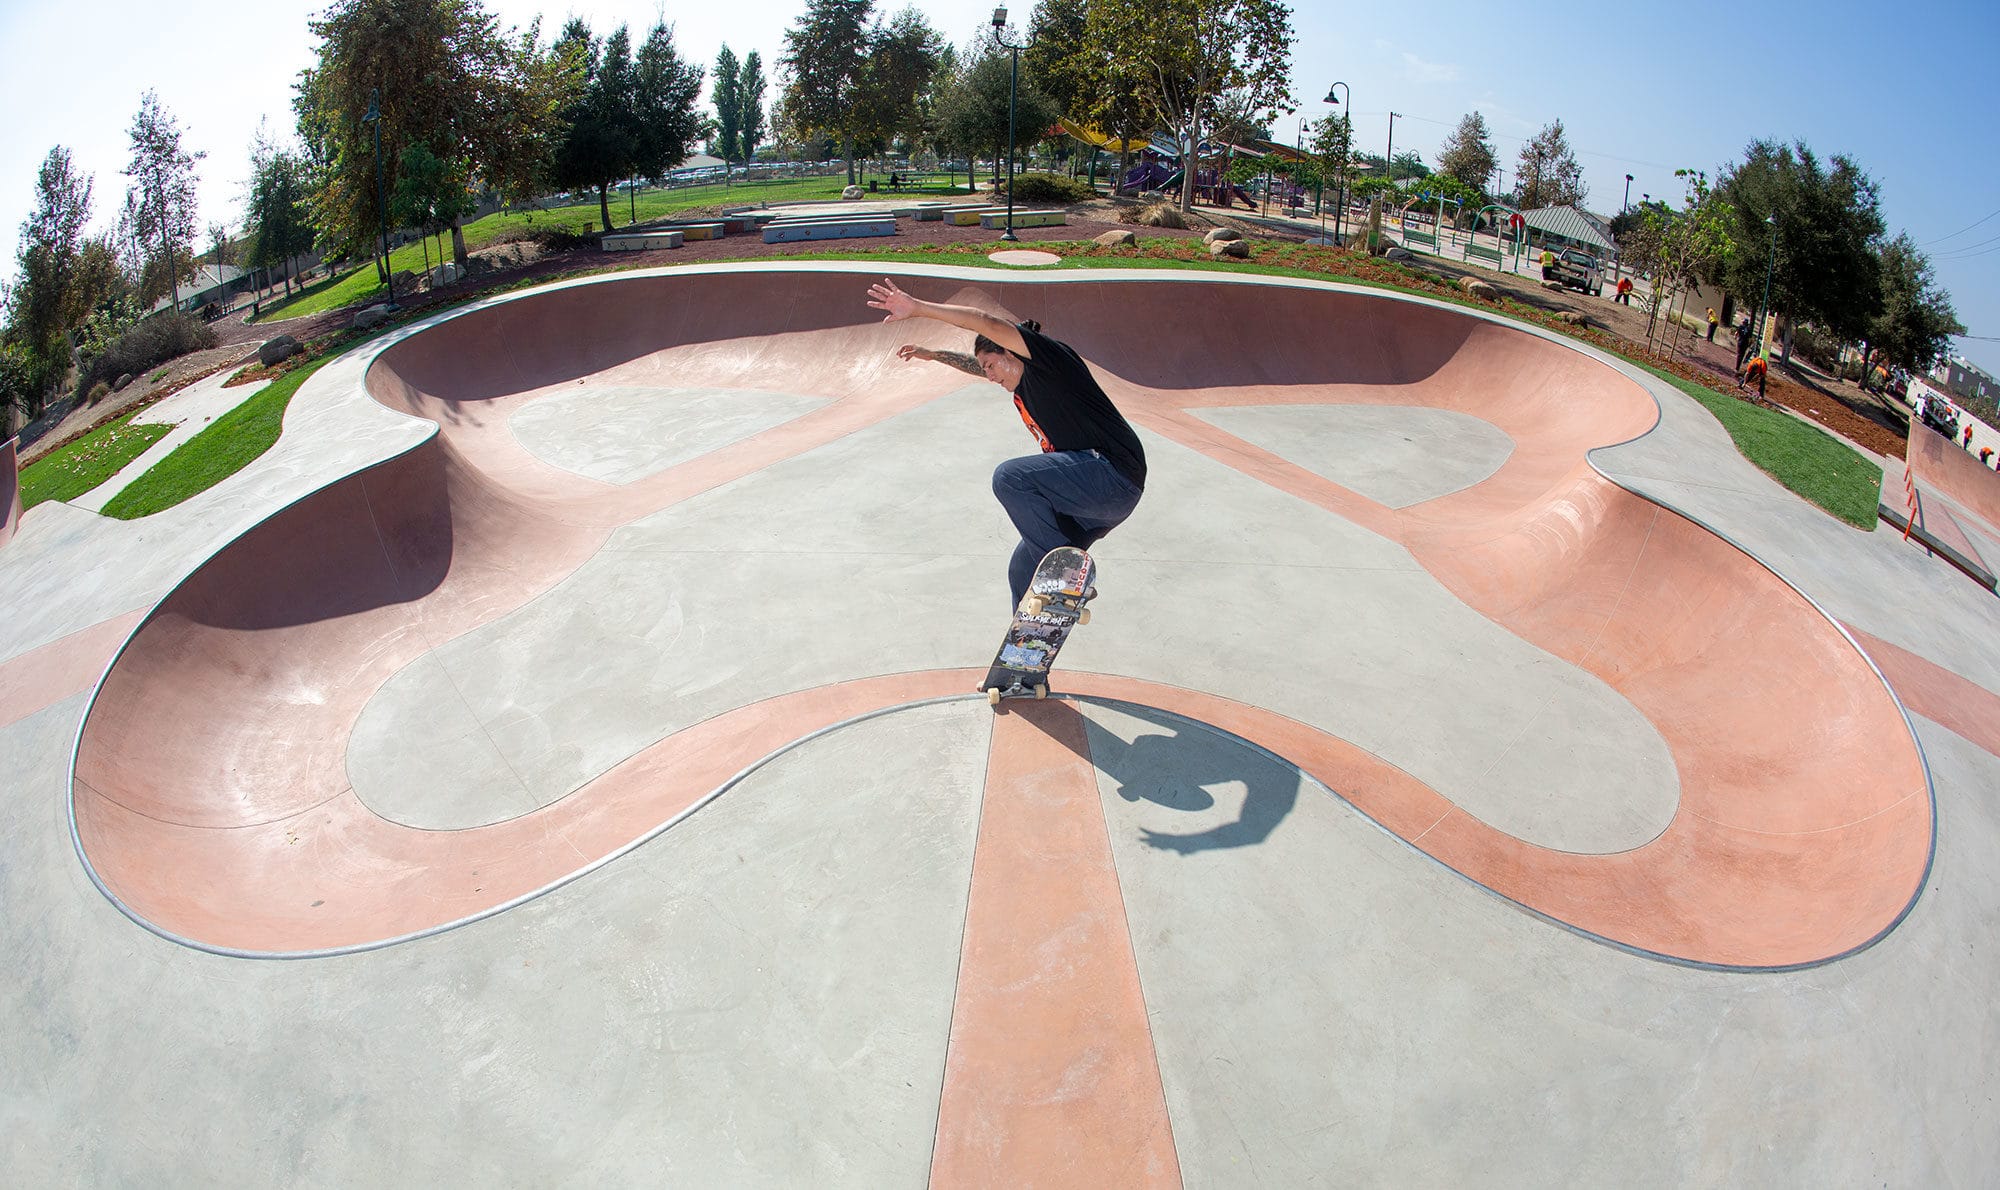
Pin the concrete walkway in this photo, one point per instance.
(189, 412)
(608, 752)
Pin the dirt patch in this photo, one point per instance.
(66, 421)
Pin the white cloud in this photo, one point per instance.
(1419, 71)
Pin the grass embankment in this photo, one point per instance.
(71, 471)
(360, 285)
(1805, 459)
(227, 446)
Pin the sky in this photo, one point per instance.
(1640, 89)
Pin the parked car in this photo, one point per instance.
(1578, 270)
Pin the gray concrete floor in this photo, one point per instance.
(762, 995)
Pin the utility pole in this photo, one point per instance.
(1387, 170)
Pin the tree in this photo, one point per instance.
(1828, 220)
(750, 100)
(1916, 321)
(632, 118)
(902, 56)
(163, 176)
(278, 218)
(1680, 248)
(1467, 152)
(1547, 173)
(430, 193)
(1082, 78)
(444, 73)
(973, 114)
(56, 285)
(728, 99)
(1181, 56)
(825, 61)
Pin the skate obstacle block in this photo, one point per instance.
(830, 227)
(994, 220)
(641, 241)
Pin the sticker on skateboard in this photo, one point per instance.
(1053, 606)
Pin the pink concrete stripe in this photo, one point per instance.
(1936, 693)
(43, 677)
(1051, 1078)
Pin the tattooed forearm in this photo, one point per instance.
(962, 361)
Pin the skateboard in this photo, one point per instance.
(1052, 607)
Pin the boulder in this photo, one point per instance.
(1236, 248)
(404, 282)
(1218, 234)
(121, 382)
(1573, 318)
(447, 273)
(275, 351)
(1479, 289)
(370, 318)
(1118, 239)
(851, 192)
(1398, 252)
(1553, 286)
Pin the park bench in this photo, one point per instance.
(1485, 253)
(702, 231)
(641, 241)
(839, 227)
(994, 220)
(904, 179)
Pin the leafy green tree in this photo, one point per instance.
(1828, 222)
(825, 61)
(751, 125)
(1467, 152)
(56, 284)
(728, 99)
(973, 114)
(1548, 173)
(1182, 56)
(1680, 248)
(279, 214)
(430, 194)
(163, 179)
(1079, 75)
(632, 118)
(902, 57)
(1332, 147)
(1917, 321)
(446, 74)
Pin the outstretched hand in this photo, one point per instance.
(884, 295)
(912, 351)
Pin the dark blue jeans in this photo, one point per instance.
(1065, 497)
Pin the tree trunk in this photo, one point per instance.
(604, 203)
(458, 245)
(1124, 167)
(1189, 159)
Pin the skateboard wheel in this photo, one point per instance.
(993, 696)
(1041, 692)
(1083, 617)
(1033, 604)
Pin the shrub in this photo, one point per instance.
(553, 239)
(154, 341)
(1048, 187)
(98, 392)
(1157, 214)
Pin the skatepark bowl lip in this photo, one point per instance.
(1744, 877)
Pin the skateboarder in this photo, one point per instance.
(1091, 471)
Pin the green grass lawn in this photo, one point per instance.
(79, 467)
(1815, 464)
(360, 284)
(227, 446)
(1807, 460)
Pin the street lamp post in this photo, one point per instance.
(374, 117)
(1013, 86)
(1346, 150)
(1626, 205)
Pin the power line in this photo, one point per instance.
(1969, 251)
(1961, 231)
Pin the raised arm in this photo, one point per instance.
(884, 295)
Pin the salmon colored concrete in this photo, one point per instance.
(1945, 467)
(1938, 694)
(1805, 823)
(1051, 1078)
(43, 677)
(10, 490)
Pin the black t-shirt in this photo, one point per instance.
(1066, 409)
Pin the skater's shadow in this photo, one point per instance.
(1174, 768)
